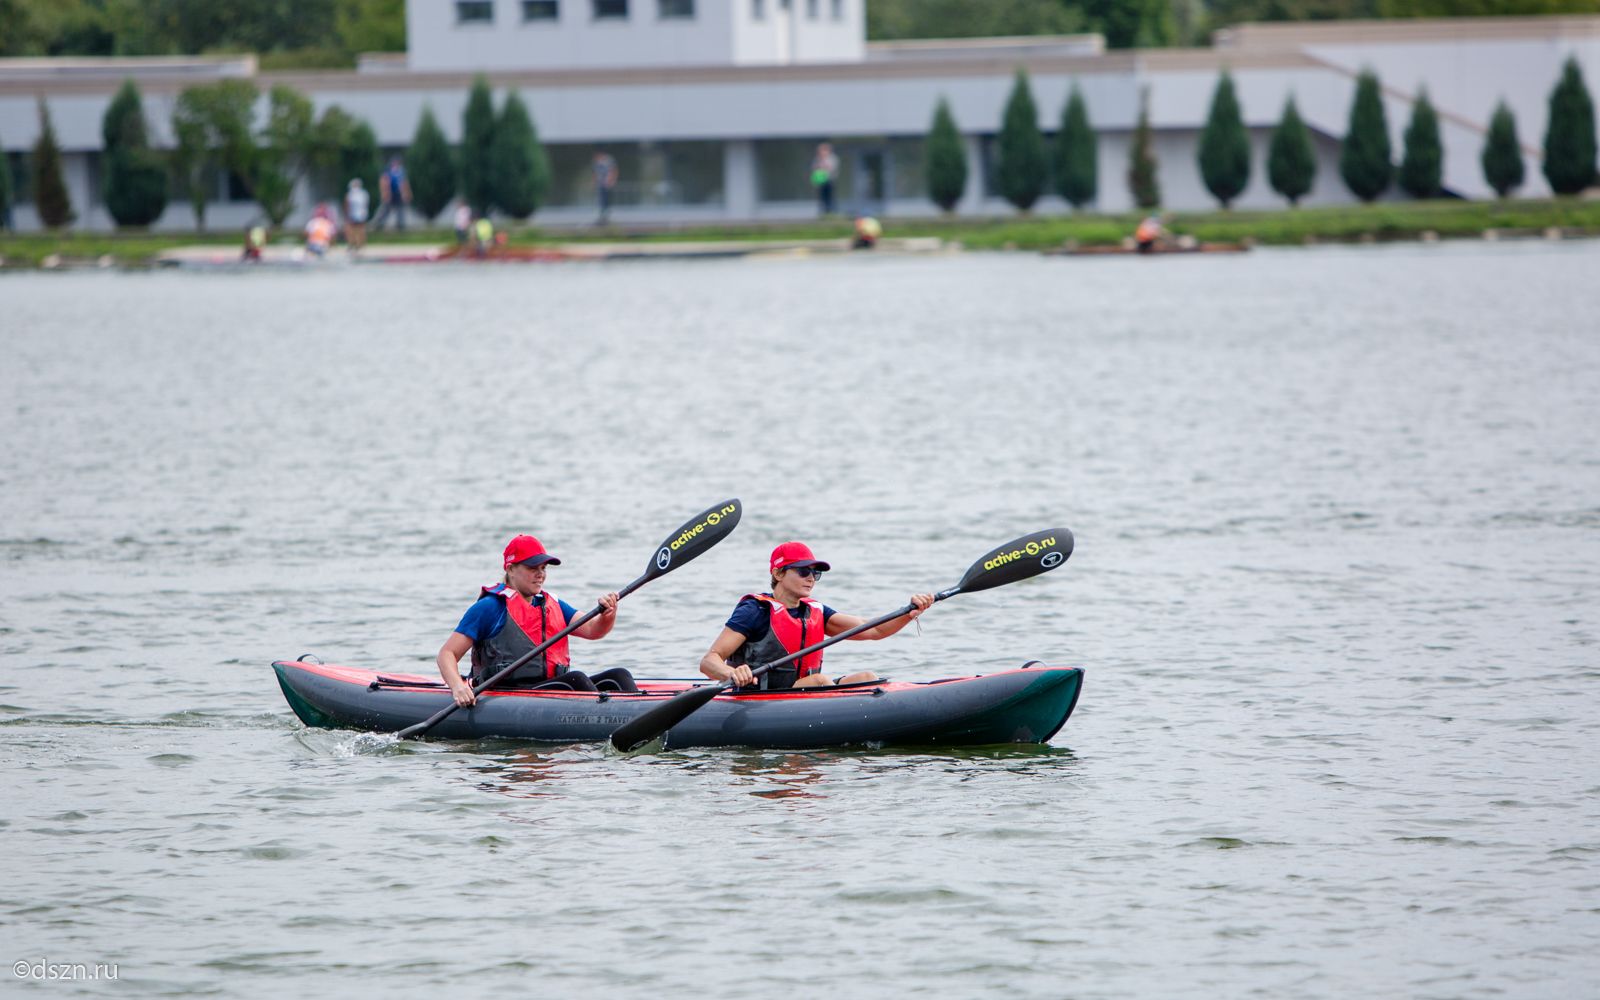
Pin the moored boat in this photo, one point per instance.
(1127, 248)
(1025, 705)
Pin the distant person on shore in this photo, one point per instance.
(513, 616)
(356, 204)
(824, 168)
(1149, 234)
(463, 223)
(605, 182)
(320, 232)
(394, 193)
(255, 238)
(868, 230)
(770, 625)
(482, 236)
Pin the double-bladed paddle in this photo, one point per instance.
(1016, 560)
(699, 534)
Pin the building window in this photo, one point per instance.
(21, 177)
(838, 10)
(541, 10)
(671, 10)
(758, 10)
(783, 170)
(648, 174)
(474, 11)
(811, 9)
(237, 190)
(610, 10)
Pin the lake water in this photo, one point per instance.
(1336, 590)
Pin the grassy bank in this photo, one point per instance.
(1384, 221)
(1283, 227)
(121, 249)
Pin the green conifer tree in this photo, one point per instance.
(1569, 139)
(1143, 182)
(946, 163)
(518, 168)
(50, 198)
(477, 148)
(431, 166)
(1365, 158)
(1023, 170)
(1502, 154)
(1291, 160)
(1077, 153)
(135, 175)
(123, 125)
(1224, 153)
(359, 156)
(1422, 162)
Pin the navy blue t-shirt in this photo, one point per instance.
(488, 616)
(753, 620)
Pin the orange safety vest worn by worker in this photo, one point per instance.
(320, 232)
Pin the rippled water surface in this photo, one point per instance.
(1335, 590)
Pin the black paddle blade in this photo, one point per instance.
(633, 735)
(1019, 559)
(702, 531)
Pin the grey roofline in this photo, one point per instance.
(157, 79)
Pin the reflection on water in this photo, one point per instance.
(530, 773)
(789, 773)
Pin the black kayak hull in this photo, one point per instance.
(1026, 705)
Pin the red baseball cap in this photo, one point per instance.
(528, 549)
(794, 554)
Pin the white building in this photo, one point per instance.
(491, 35)
(713, 108)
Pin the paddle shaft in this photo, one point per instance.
(519, 662)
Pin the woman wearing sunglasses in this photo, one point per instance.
(769, 626)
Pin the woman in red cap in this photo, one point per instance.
(512, 617)
(769, 626)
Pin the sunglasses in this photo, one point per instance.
(807, 572)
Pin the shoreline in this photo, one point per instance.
(1564, 218)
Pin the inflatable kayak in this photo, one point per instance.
(1026, 705)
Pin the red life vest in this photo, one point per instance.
(536, 625)
(796, 634)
